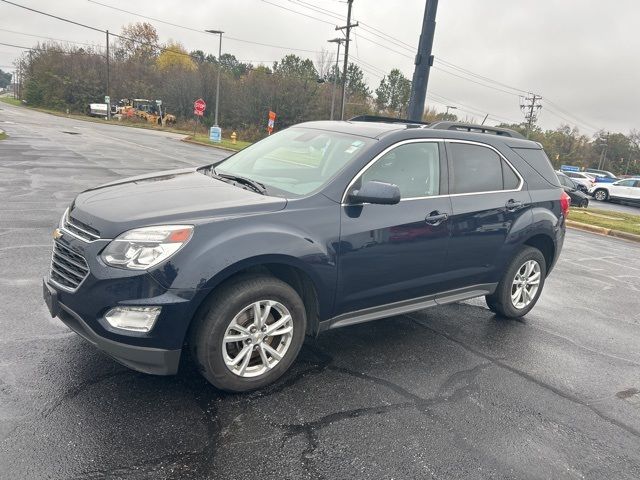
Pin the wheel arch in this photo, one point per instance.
(290, 270)
(547, 247)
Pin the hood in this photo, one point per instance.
(170, 197)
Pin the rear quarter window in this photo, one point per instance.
(538, 160)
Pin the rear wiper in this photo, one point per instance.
(255, 186)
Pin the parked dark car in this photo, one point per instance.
(320, 226)
(578, 198)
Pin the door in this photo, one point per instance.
(396, 252)
(623, 189)
(488, 202)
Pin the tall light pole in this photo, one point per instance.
(335, 76)
(217, 32)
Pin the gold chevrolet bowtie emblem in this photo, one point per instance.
(57, 234)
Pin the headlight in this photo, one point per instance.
(142, 248)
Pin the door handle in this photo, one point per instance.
(513, 205)
(436, 218)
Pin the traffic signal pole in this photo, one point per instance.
(423, 62)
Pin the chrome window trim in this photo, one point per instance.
(437, 140)
(380, 155)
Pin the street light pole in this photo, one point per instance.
(217, 32)
(335, 76)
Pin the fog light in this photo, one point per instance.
(134, 319)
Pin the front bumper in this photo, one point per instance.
(83, 309)
(155, 361)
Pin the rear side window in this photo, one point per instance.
(476, 169)
(538, 160)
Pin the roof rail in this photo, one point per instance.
(376, 118)
(470, 127)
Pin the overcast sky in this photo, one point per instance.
(580, 55)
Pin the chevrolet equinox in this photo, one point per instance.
(320, 226)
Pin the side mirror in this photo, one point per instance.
(376, 192)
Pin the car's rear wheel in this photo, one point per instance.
(249, 333)
(521, 285)
(601, 195)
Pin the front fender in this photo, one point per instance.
(221, 249)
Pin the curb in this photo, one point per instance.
(194, 142)
(603, 231)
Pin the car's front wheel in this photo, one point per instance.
(520, 286)
(601, 195)
(249, 333)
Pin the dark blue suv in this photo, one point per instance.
(320, 226)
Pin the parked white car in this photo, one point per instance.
(584, 180)
(627, 190)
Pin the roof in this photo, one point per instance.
(382, 127)
(362, 129)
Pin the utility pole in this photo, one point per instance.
(217, 32)
(335, 76)
(108, 79)
(450, 107)
(530, 106)
(348, 28)
(423, 62)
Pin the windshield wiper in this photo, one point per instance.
(254, 185)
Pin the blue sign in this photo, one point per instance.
(215, 134)
(569, 168)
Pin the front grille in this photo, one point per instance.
(68, 269)
(79, 229)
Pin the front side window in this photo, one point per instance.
(413, 167)
(295, 161)
(476, 169)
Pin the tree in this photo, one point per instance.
(5, 79)
(138, 41)
(175, 56)
(393, 93)
(356, 85)
(294, 66)
(232, 65)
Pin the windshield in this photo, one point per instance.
(296, 160)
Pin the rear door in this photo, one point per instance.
(488, 200)
(622, 189)
(390, 253)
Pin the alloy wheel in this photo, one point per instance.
(257, 338)
(601, 195)
(525, 284)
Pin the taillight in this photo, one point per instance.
(565, 203)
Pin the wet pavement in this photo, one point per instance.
(449, 392)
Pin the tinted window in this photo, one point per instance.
(626, 183)
(538, 160)
(567, 182)
(413, 167)
(479, 169)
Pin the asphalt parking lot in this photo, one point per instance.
(449, 392)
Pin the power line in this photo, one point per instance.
(53, 16)
(48, 50)
(227, 37)
(47, 38)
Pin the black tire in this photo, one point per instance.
(207, 332)
(500, 301)
(602, 193)
(585, 203)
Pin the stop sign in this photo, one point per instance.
(199, 106)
